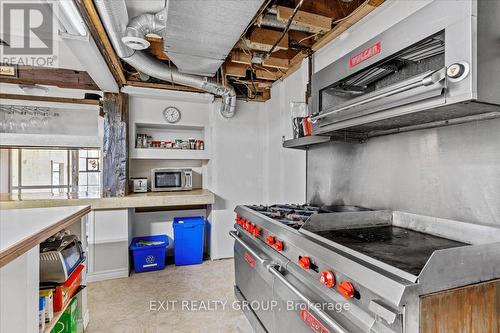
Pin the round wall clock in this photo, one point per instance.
(172, 114)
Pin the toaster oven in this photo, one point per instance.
(59, 257)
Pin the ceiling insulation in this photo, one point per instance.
(200, 34)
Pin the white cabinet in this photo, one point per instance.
(108, 244)
(20, 278)
(19, 282)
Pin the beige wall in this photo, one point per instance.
(4, 171)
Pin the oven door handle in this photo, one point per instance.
(247, 247)
(274, 269)
(430, 79)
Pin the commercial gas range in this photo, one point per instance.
(303, 268)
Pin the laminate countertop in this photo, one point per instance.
(23, 229)
(96, 202)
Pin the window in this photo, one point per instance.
(88, 171)
(55, 170)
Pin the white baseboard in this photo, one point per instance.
(221, 257)
(86, 319)
(107, 275)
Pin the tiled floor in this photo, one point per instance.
(138, 303)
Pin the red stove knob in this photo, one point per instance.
(278, 245)
(247, 226)
(256, 231)
(250, 227)
(327, 278)
(346, 289)
(270, 240)
(305, 262)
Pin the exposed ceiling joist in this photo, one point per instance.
(235, 69)
(360, 12)
(59, 77)
(268, 74)
(91, 18)
(156, 85)
(156, 47)
(263, 40)
(50, 99)
(314, 22)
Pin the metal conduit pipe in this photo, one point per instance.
(115, 19)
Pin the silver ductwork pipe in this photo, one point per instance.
(140, 26)
(116, 22)
(114, 16)
(147, 64)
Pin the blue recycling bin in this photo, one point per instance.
(188, 240)
(149, 253)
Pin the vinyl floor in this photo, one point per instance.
(180, 299)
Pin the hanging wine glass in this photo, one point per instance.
(33, 122)
(11, 123)
(3, 119)
(45, 121)
(23, 122)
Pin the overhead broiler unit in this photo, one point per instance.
(439, 66)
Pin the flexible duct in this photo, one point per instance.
(115, 19)
(140, 26)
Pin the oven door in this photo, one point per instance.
(167, 180)
(254, 283)
(307, 309)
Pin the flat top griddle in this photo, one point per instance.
(403, 248)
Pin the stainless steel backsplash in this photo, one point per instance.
(450, 172)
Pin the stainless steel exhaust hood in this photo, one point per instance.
(439, 66)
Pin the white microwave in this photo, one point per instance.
(171, 179)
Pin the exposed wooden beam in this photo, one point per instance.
(59, 77)
(166, 86)
(91, 17)
(354, 17)
(156, 47)
(259, 84)
(263, 39)
(268, 74)
(301, 38)
(50, 99)
(332, 9)
(298, 58)
(235, 69)
(276, 63)
(262, 96)
(314, 22)
(115, 148)
(295, 64)
(285, 54)
(291, 70)
(241, 57)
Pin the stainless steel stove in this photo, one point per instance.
(295, 215)
(355, 270)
